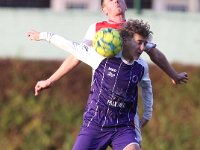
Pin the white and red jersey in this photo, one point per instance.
(98, 26)
(109, 24)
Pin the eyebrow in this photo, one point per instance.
(142, 41)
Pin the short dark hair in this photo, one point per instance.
(102, 2)
(135, 26)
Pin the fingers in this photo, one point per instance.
(41, 85)
(185, 74)
(30, 35)
(182, 78)
(33, 35)
(173, 81)
(37, 89)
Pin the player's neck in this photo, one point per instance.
(127, 56)
(117, 19)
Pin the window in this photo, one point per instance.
(146, 4)
(77, 5)
(181, 8)
(25, 3)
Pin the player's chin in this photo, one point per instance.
(136, 57)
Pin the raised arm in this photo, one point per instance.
(54, 39)
(80, 52)
(159, 59)
(68, 64)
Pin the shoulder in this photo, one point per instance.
(142, 62)
(97, 26)
(100, 25)
(92, 26)
(90, 33)
(149, 47)
(145, 76)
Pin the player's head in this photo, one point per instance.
(113, 7)
(135, 34)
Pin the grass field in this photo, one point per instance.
(52, 120)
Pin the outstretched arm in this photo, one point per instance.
(68, 64)
(81, 51)
(159, 59)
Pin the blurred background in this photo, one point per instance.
(52, 120)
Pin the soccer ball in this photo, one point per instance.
(107, 42)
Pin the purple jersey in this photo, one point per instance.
(114, 93)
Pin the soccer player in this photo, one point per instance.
(112, 104)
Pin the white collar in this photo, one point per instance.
(119, 55)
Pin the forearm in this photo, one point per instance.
(59, 42)
(160, 60)
(81, 51)
(147, 99)
(69, 64)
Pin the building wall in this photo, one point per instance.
(176, 34)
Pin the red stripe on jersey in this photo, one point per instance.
(105, 24)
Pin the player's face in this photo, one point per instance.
(114, 7)
(133, 46)
(140, 42)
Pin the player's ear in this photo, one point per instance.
(125, 6)
(105, 11)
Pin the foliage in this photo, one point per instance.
(52, 120)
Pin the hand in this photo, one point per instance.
(143, 122)
(180, 78)
(41, 85)
(34, 35)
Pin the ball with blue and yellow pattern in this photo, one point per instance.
(107, 42)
